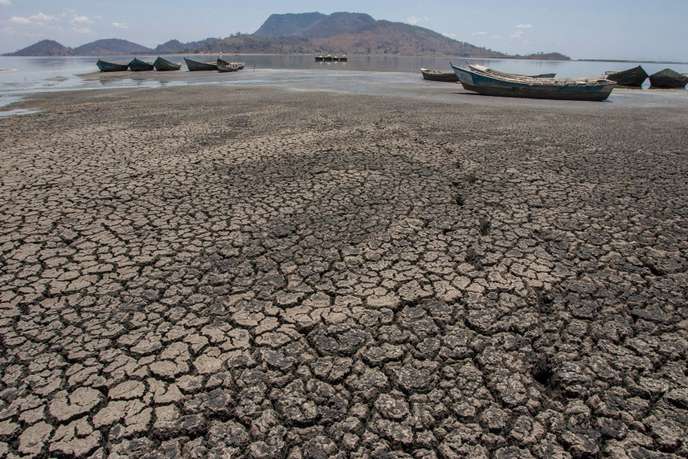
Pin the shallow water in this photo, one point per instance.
(26, 75)
(373, 75)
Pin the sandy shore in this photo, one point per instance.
(251, 272)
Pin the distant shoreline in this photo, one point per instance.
(628, 61)
(510, 58)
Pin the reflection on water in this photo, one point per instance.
(381, 75)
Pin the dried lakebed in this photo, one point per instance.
(216, 272)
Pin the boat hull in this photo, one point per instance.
(163, 65)
(137, 65)
(226, 67)
(444, 77)
(196, 66)
(668, 79)
(104, 66)
(510, 75)
(634, 77)
(490, 86)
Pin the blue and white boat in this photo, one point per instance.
(506, 85)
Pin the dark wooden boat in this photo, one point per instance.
(137, 65)
(319, 58)
(480, 68)
(438, 75)
(196, 66)
(105, 66)
(224, 66)
(634, 77)
(668, 79)
(343, 58)
(163, 65)
(535, 88)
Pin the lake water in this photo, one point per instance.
(21, 76)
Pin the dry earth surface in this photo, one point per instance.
(215, 272)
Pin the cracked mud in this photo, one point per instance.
(213, 272)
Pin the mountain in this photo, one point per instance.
(340, 33)
(44, 48)
(110, 46)
(353, 33)
(285, 25)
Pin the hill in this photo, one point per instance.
(285, 25)
(352, 33)
(110, 46)
(44, 48)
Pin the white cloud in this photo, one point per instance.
(414, 20)
(119, 25)
(5, 2)
(81, 24)
(479, 34)
(524, 26)
(518, 34)
(36, 19)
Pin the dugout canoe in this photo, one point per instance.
(533, 88)
(137, 65)
(105, 66)
(224, 66)
(163, 65)
(480, 68)
(668, 79)
(634, 77)
(438, 75)
(196, 66)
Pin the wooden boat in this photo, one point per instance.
(438, 75)
(196, 66)
(344, 58)
(105, 66)
(224, 66)
(163, 65)
(634, 77)
(319, 58)
(480, 68)
(137, 65)
(668, 79)
(535, 88)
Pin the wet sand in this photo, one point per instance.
(213, 271)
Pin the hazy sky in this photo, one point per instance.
(580, 28)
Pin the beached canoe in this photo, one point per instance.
(534, 88)
(480, 68)
(195, 66)
(163, 65)
(438, 75)
(634, 77)
(224, 66)
(105, 66)
(137, 65)
(668, 79)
